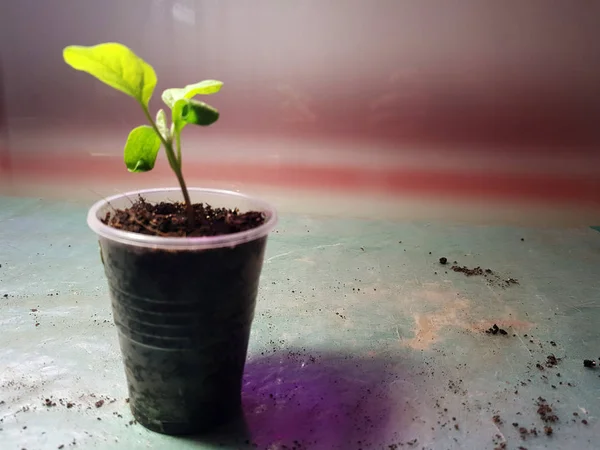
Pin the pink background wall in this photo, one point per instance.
(312, 83)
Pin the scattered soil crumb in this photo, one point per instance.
(548, 430)
(589, 363)
(552, 361)
(468, 272)
(545, 411)
(99, 403)
(497, 420)
(495, 329)
(443, 260)
(489, 274)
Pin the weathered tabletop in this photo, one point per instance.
(362, 339)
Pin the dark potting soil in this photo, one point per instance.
(171, 219)
(184, 318)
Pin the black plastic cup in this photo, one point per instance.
(184, 309)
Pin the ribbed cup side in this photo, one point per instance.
(184, 320)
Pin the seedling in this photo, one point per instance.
(119, 67)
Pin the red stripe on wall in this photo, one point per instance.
(391, 181)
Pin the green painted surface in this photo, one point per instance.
(359, 341)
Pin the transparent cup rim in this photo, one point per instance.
(182, 243)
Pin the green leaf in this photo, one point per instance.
(141, 149)
(194, 112)
(115, 65)
(206, 87)
(161, 124)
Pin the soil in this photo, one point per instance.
(552, 361)
(545, 411)
(589, 363)
(495, 329)
(171, 220)
(469, 272)
(491, 276)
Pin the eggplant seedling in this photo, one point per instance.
(119, 67)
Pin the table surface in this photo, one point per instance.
(361, 340)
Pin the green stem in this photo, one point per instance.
(175, 164)
(178, 140)
(156, 130)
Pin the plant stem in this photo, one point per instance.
(175, 164)
(178, 141)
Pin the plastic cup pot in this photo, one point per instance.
(183, 308)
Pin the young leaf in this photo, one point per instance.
(115, 65)
(141, 149)
(194, 112)
(206, 87)
(161, 124)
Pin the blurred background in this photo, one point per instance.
(385, 108)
